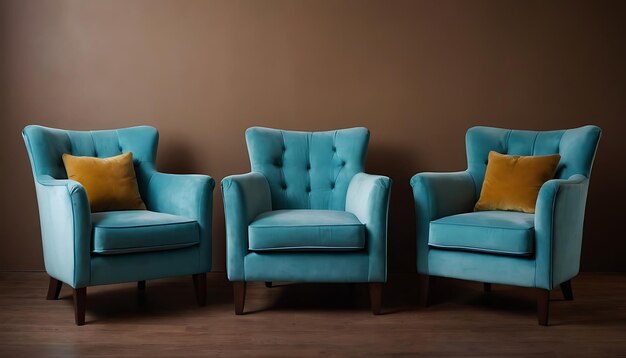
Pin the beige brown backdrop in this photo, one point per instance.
(416, 73)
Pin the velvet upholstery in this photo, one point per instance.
(306, 230)
(555, 228)
(498, 232)
(119, 232)
(171, 238)
(312, 179)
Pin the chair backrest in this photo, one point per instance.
(46, 146)
(577, 148)
(307, 170)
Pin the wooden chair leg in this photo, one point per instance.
(487, 287)
(239, 292)
(268, 284)
(376, 296)
(141, 285)
(199, 284)
(566, 288)
(424, 283)
(543, 306)
(80, 296)
(54, 289)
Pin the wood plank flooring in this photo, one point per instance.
(297, 320)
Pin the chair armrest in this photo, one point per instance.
(559, 216)
(187, 195)
(437, 195)
(368, 199)
(65, 218)
(245, 197)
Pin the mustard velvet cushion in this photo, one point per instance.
(512, 182)
(110, 183)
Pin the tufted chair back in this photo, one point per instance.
(47, 145)
(307, 170)
(577, 148)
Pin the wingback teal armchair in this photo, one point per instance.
(171, 238)
(306, 212)
(540, 250)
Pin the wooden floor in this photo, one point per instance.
(296, 320)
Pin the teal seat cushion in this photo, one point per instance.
(120, 232)
(306, 230)
(496, 232)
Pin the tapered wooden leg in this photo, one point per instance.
(376, 296)
(199, 284)
(424, 282)
(543, 306)
(487, 287)
(268, 284)
(239, 291)
(566, 288)
(54, 289)
(141, 285)
(80, 296)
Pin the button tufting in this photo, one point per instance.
(334, 148)
(284, 186)
(343, 163)
(308, 189)
(332, 185)
(308, 167)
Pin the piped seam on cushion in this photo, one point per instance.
(481, 226)
(480, 249)
(308, 248)
(304, 226)
(143, 248)
(150, 225)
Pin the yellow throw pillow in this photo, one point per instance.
(512, 182)
(110, 183)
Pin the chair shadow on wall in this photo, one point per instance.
(399, 164)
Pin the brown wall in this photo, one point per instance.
(417, 73)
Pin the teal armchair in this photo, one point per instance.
(306, 212)
(171, 238)
(540, 250)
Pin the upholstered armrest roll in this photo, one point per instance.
(65, 229)
(559, 216)
(245, 197)
(368, 199)
(437, 195)
(187, 195)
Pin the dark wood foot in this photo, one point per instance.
(54, 289)
(376, 296)
(80, 297)
(141, 285)
(239, 291)
(199, 284)
(268, 284)
(566, 288)
(543, 306)
(424, 283)
(487, 287)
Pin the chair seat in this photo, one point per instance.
(129, 231)
(497, 232)
(306, 230)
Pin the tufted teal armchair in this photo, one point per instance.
(540, 250)
(171, 238)
(306, 212)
